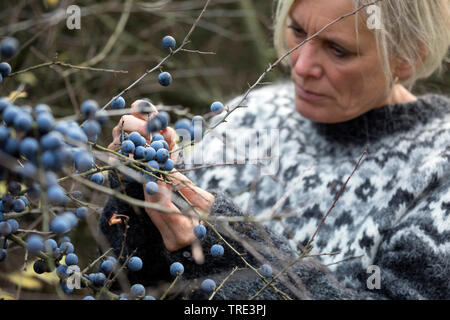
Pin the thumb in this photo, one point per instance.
(138, 107)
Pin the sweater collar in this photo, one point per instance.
(386, 120)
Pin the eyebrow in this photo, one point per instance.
(339, 41)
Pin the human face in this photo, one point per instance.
(333, 82)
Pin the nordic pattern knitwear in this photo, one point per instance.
(394, 212)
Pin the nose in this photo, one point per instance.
(307, 62)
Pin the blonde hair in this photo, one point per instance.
(410, 30)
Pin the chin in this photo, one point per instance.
(314, 112)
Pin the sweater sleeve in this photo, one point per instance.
(414, 256)
(144, 239)
(400, 259)
(247, 241)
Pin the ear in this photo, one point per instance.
(403, 69)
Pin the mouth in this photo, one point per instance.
(308, 95)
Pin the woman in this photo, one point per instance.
(388, 234)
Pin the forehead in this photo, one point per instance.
(313, 15)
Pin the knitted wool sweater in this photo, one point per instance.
(393, 213)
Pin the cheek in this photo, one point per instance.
(293, 59)
(346, 82)
(354, 84)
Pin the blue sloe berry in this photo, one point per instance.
(71, 259)
(151, 188)
(137, 290)
(164, 79)
(139, 152)
(208, 285)
(5, 228)
(107, 266)
(154, 125)
(2, 254)
(66, 248)
(136, 138)
(18, 205)
(217, 250)
(35, 243)
(162, 155)
(99, 279)
(157, 137)
(217, 106)
(81, 212)
(39, 266)
(118, 103)
(45, 121)
(61, 271)
(89, 107)
(168, 165)
(135, 264)
(266, 270)
(176, 268)
(5, 69)
(98, 178)
(13, 223)
(9, 47)
(157, 145)
(168, 42)
(128, 146)
(153, 164)
(199, 231)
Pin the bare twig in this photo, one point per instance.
(336, 199)
(170, 287)
(302, 255)
(62, 64)
(223, 282)
(93, 263)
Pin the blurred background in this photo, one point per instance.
(126, 35)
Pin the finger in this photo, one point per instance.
(115, 144)
(163, 196)
(174, 221)
(130, 123)
(195, 195)
(174, 155)
(169, 135)
(179, 180)
(161, 222)
(139, 105)
(176, 229)
(116, 131)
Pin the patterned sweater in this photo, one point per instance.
(392, 219)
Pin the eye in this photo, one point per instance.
(299, 32)
(338, 51)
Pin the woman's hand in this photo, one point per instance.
(137, 121)
(176, 229)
